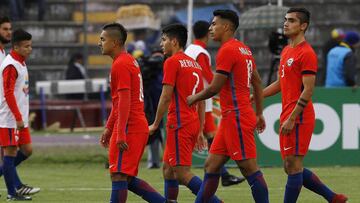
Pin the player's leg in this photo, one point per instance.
(293, 166)
(213, 165)
(255, 179)
(171, 186)
(9, 142)
(24, 152)
(313, 183)
(119, 189)
(310, 179)
(131, 159)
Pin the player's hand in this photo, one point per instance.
(20, 125)
(201, 143)
(287, 126)
(260, 124)
(190, 100)
(122, 145)
(252, 99)
(105, 138)
(152, 129)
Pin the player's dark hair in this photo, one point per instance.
(201, 29)
(20, 35)
(177, 31)
(117, 30)
(229, 15)
(302, 13)
(4, 19)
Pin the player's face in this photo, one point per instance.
(166, 45)
(292, 25)
(106, 43)
(216, 29)
(5, 33)
(24, 48)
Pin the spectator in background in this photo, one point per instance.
(341, 62)
(76, 70)
(152, 72)
(17, 12)
(337, 35)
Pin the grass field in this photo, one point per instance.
(76, 174)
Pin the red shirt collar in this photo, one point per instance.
(200, 43)
(17, 57)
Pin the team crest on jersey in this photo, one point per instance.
(290, 61)
(26, 85)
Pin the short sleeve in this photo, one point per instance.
(309, 63)
(123, 76)
(170, 70)
(225, 60)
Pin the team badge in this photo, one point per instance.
(290, 61)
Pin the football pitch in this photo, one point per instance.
(77, 175)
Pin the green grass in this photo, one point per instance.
(89, 182)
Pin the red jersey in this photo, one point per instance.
(235, 60)
(294, 63)
(184, 74)
(125, 74)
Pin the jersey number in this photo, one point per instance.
(196, 84)
(141, 96)
(249, 65)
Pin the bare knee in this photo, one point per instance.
(293, 165)
(118, 177)
(26, 149)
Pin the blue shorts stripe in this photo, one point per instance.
(177, 151)
(10, 135)
(119, 161)
(237, 111)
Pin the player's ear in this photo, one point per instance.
(304, 26)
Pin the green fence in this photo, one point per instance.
(336, 137)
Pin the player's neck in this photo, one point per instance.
(2, 46)
(176, 50)
(117, 52)
(295, 40)
(226, 37)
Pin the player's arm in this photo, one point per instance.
(308, 81)
(123, 116)
(272, 89)
(204, 62)
(201, 140)
(9, 76)
(258, 96)
(214, 88)
(164, 102)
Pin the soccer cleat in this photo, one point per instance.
(228, 180)
(27, 190)
(171, 201)
(18, 198)
(339, 198)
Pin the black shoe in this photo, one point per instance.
(154, 166)
(228, 180)
(18, 198)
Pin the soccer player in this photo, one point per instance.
(235, 74)
(14, 114)
(5, 35)
(198, 52)
(182, 77)
(296, 81)
(126, 131)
